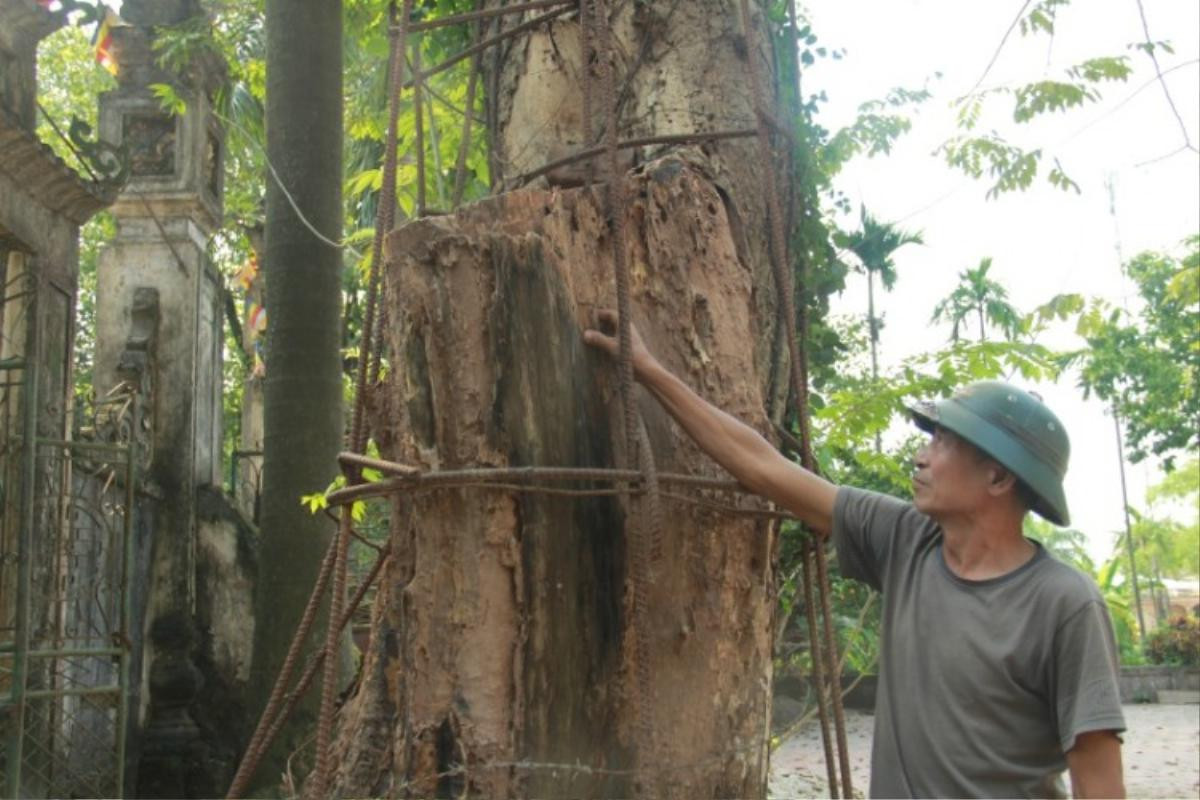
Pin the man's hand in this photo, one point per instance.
(1095, 765)
(731, 443)
(606, 339)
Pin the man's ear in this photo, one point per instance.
(1001, 480)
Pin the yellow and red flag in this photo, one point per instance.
(103, 41)
(249, 271)
(256, 320)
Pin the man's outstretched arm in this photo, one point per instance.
(731, 443)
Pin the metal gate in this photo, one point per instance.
(65, 557)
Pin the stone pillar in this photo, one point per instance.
(158, 325)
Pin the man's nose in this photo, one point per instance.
(922, 457)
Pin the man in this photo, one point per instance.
(998, 665)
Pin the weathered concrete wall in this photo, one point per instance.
(1143, 684)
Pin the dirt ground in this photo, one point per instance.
(1161, 755)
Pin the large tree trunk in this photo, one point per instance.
(503, 647)
(303, 385)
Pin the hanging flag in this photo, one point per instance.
(247, 273)
(256, 320)
(103, 41)
(260, 366)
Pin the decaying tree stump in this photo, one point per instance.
(502, 638)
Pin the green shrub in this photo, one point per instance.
(1177, 642)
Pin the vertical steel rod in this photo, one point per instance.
(25, 538)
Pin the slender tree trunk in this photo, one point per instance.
(873, 330)
(303, 386)
(504, 657)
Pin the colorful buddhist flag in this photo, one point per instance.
(103, 41)
(256, 320)
(247, 273)
(260, 366)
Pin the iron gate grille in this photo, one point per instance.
(65, 550)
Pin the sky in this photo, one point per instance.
(1042, 241)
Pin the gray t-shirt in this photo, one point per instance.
(983, 685)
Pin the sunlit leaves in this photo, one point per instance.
(1148, 364)
(1009, 167)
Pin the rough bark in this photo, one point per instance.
(502, 630)
(303, 385)
(502, 647)
(681, 68)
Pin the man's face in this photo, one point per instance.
(951, 477)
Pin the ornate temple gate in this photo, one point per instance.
(65, 555)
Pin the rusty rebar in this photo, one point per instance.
(258, 741)
(818, 669)
(641, 141)
(464, 142)
(799, 373)
(310, 670)
(322, 773)
(485, 14)
(491, 41)
(419, 137)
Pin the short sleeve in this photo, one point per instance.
(865, 525)
(1086, 693)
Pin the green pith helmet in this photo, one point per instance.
(1016, 429)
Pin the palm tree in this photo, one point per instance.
(874, 246)
(978, 295)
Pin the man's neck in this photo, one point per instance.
(978, 549)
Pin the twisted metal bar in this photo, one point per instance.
(323, 771)
(464, 142)
(799, 375)
(818, 662)
(485, 14)
(641, 141)
(310, 671)
(640, 538)
(491, 41)
(259, 741)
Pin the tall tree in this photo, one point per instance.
(303, 386)
(517, 646)
(980, 296)
(1147, 362)
(874, 246)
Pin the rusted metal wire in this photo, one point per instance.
(832, 662)
(640, 533)
(464, 142)
(799, 374)
(519, 476)
(258, 741)
(516, 30)
(815, 652)
(386, 467)
(419, 137)
(485, 14)
(310, 671)
(641, 141)
(586, 56)
(323, 772)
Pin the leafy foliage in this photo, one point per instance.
(1148, 366)
(981, 296)
(1177, 643)
(1013, 167)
